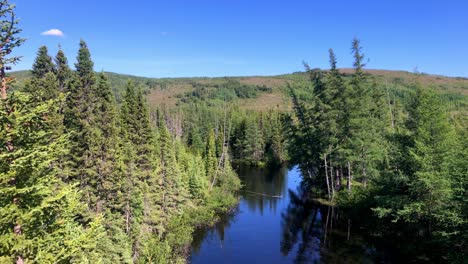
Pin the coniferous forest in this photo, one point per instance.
(96, 168)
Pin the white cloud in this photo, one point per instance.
(53, 32)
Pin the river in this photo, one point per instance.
(274, 223)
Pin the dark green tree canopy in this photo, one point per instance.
(43, 63)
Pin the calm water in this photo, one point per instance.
(274, 223)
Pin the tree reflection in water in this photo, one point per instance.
(315, 233)
(277, 222)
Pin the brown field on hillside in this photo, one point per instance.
(267, 102)
(167, 97)
(267, 81)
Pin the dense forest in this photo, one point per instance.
(404, 158)
(109, 168)
(86, 180)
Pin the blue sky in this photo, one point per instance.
(240, 37)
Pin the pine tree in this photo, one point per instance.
(108, 153)
(134, 187)
(211, 162)
(38, 212)
(43, 63)
(431, 153)
(364, 145)
(424, 192)
(63, 72)
(84, 66)
(144, 140)
(80, 121)
(274, 147)
(254, 146)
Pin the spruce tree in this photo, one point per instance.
(144, 136)
(211, 162)
(431, 153)
(133, 197)
(43, 84)
(63, 72)
(80, 120)
(108, 153)
(38, 212)
(84, 66)
(365, 141)
(43, 63)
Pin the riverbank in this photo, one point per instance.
(175, 247)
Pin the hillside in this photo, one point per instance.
(263, 93)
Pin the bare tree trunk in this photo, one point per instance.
(339, 176)
(223, 152)
(349, 176)
(4, 87)
(332, 179)
(326, 177)
(364, 174)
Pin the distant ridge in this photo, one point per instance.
(169, 91)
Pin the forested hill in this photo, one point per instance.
(271, 92)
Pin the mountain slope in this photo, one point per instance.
(271, 92)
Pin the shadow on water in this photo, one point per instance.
(316, 233)
(275, 222)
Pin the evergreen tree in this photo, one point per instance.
(38, 212)
(425, 193)
(429, 184)
(43, 63)
(365, 147)
(254, 145)
(63, 72)
(144, 140)
(108, 152)
(84, 66)
(211, 162)
(133, 200)
(80, 121)
(43, 84)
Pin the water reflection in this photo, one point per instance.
(276, 223)
(263, 188)
(315, 233)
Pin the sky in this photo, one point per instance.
(246, 37)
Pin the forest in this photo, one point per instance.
(87, 180)
(404, 158)
(97, 167)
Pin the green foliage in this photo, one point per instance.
(63, 71)
(38, 212)
(145, 189)
(394, 152)
(43, 63)
(227, 91)
(9, 32)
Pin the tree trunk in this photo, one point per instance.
(364, 174)
(349, 177)
(326, 177)
(332, 180)
(223, 152)
(339, 176)
(4, 87)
